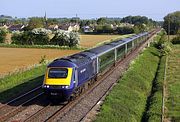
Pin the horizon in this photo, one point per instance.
(155, 10)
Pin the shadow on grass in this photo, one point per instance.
(155, 54)
(18, 90)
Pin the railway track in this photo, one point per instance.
(18, 104)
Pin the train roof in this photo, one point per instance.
(61, 62)
(101, 49)
(88, 55)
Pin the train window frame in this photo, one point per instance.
(59, 77)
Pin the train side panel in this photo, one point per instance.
(86, 72)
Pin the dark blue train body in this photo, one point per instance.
(67, 76)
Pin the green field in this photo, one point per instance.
(173, 85)
(16, 84)
(129, 98)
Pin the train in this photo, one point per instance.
(67, 77)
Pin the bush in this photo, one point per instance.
(74, 39)
(2, 35)
(38, 36)
(162, 43)
(104, 29)
(63, 38)
(176, 40)
(125, 30)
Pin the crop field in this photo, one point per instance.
(17, 58)
(89, 41)
(173, 85)
(86, 41)
(13, 59)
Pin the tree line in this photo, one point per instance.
(40, 36)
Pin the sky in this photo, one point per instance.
(155, 9)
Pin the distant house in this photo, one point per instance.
(87, 29)
(16, 27)
(53, 27)
(69, 27)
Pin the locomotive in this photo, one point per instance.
(68, 76)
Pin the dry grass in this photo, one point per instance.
(173, 85)
(15, 58)
(89, 41)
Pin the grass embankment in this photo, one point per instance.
(173, 85)
(154, 105)
(12, 86)
(127, 101)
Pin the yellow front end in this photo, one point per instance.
(58, 81)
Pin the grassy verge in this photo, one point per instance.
(41, 46)
(172, 102)
(15, 84)
(154, 105)
(127, 100)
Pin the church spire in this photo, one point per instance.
(45, 19)
(45, 16)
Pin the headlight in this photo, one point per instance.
(65, 87)
(45, 86)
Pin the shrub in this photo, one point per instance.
(176, 40)
(2, 35)
(38, 36)
(63, 38)
(74, 39)
(125, 30)
(162, 43)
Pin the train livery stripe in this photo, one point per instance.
(59, 81)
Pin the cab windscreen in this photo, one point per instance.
(58, 73)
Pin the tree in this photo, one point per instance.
(136, 20)
(172, 22)
(37, 36)
(74, 39)
(139, 28)
(162, 43)
(52, 21)
(36, 22)
(101, 21)
(125, 30)
(176, 40)
(107, 29)
(2, 35)
(63, 38)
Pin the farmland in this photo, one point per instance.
(88, 41)
(18, 58)
(173, 84)
(15, 58)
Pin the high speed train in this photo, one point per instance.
(68, 76)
